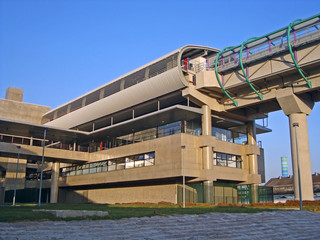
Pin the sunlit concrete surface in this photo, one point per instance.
(265, 225)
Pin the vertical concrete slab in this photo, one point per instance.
(206, 131)
(54, 182)
(253, 158)
(208, 192)
(299, 138)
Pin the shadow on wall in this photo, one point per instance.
(28, 195)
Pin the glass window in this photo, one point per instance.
(149, 162)
(129, 163)
(112, 165)
(139, 163)
(134, 161)
(227, 160)
(120, 163)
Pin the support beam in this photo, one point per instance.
(55, 182)
(299, 138)
(297, 109)
(206, 131)
(208, 192)
(253, 158)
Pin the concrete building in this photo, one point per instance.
(132, 139)
(187, 117)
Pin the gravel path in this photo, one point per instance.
(265, 225)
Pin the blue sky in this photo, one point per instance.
(58, 50)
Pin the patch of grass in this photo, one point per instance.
(23, 212)
(312, 208)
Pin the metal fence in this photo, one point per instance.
(224, 193)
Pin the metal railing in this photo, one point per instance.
(300, 31)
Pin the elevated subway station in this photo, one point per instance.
(187, 115)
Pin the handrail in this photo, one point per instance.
(243, 71)
(274, 32)
(291, 53)
(217, 75)
(253, 39)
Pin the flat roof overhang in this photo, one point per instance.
(169, 115)
(153, 119)
(150, 120)
(34, 154)
(36, 131)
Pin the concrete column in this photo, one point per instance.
(208, 192)
(303, 156)
(207, 131)
(54, 182)
(297, 109)
(253, 158)
(183, 126)
(207, 157)
(206, 121)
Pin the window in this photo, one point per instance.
(133, 161)
(227, 160)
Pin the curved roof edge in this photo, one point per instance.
(180, 51)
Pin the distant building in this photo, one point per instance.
(284, 185)
(284, 167)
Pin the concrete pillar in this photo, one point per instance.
(54, 182)
(206, 121)
(208, 192)
(303, 156)
(184, 126)
(253, 158)
(207, 131)
(207, 157)
(297, 109)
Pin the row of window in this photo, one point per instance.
(117, 86)
(134, 161)
(141, 160)
(227, 160)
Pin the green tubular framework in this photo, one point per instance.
(250, 40)
(291, 52)
(242, 68)
(217, 74)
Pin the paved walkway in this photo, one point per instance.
(266, 225)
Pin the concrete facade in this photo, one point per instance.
(145, 194)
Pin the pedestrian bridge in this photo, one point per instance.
(249, 74)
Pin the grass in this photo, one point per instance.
(23, 212)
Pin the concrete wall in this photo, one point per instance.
(168, 162)
(10, 164)
(151, 194)
(20, 111)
